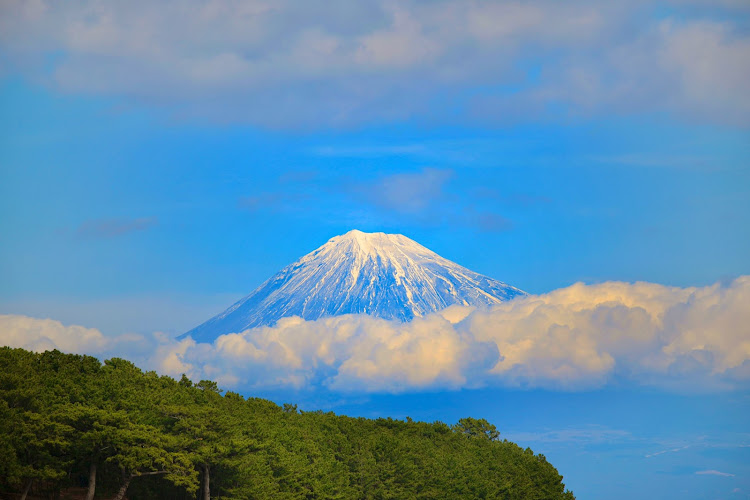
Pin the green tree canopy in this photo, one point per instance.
(68, 420)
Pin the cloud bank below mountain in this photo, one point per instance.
(574, 338)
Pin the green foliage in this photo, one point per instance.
(208, 385)
(477, 428)
(159, 438)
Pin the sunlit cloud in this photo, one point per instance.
(579, 337)
(45, 334)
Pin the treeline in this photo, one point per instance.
(111, 430)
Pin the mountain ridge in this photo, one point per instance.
(384, 275)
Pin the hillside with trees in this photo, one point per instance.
(111, 430)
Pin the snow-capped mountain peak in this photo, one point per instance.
(384, 275)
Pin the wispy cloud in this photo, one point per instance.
(111, 228)
(659, 161)
(712, 472)
(492, 222)
(670, 450)
(578, 337)
(584, 435)
(426, 197)
(274, 201)
(496, 195)
(373, 151)
(413, 193)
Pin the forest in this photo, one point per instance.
(70, 423)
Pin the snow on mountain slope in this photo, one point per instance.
(385, 275)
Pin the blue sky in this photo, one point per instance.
(159, 161)
(103, 203)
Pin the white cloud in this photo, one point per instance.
(710, 65)
(573, 338)
(300, 64)
(45, 334)
(713, 473)
(400, 45)
(693, 69)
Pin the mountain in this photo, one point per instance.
(385, 275)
